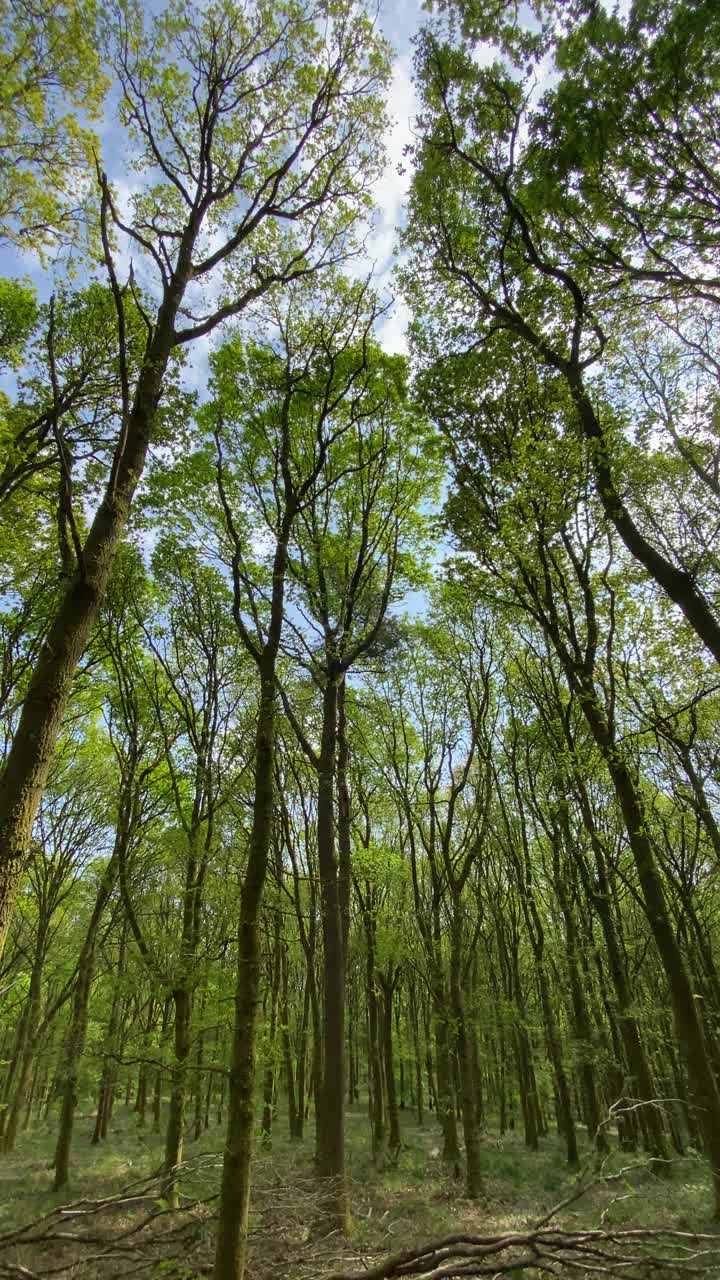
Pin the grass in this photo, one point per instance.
(399, 1204)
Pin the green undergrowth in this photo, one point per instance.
(395, 1201)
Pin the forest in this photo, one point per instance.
(359, 699)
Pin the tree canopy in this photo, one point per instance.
(359, 710)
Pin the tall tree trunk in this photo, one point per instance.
(526, 1082)
(15, 1059)
(199, 1056)
(231, 1242)
(688, 1025)
(109, 1072)
(582, 1025)
(331, 1095)
(142, 1091)
(210, 1079)
(375, 1099)
(31, 1094)
(301, 1060)
(343, 818)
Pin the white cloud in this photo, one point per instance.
(390, 194)
(484, 54)
(197, 370)
(391, 188)
(392, 332)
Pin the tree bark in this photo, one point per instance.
(331, 1096)
(231, 1241)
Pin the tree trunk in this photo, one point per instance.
(640, 1083)
(415, 1025)
(175, 1130)
(562, 1087)
(343, 818)
(211, 1074)
(157, 1092)
(376, 1108)
(387, 982)
(581, 1018)
(471, 1136)
(31, 1094)
(231, 1243)
(107, 1080)
(443, 1074)
(287, 1049)
(528, 1104)
(688, 1026)
(676, 583)
(331, 1095)
(270, 1065)
(301, 1060)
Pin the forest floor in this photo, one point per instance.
(395, 1206)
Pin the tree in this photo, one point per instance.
(275, 124)
(353, 557)
(291, 405)
(525, 240)
(535, 530)
(52, 75)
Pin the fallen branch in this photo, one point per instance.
(634, 1254)
(167, 1233)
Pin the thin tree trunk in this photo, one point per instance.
(157, 1092)
(199, 1056)
(270, 1065)
(443, 1075)
(287, 1049)
(414, 1023)
(387, 983)
(640, 1083)
(301, 1061)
